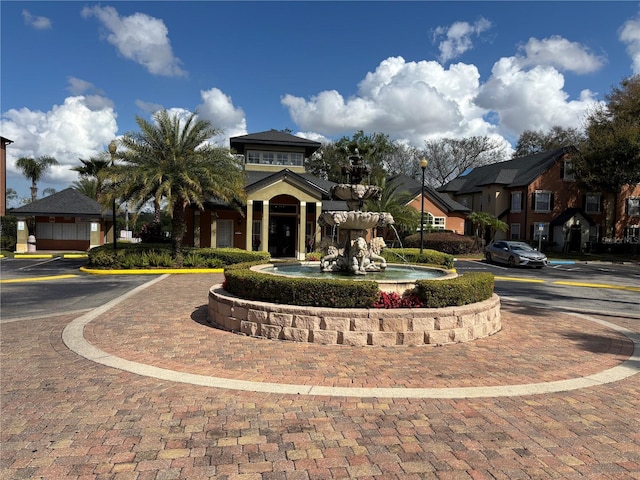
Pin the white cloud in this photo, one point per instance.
(67, 132)
(148, 107)
(630, 35)
(39, 23)
(409, 100)
(458, 37)
(559, 52)
(218, 108)
(531, 100)
(140, 38)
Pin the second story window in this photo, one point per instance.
(258, 157)
(568, 174)
(592, 203)
(632, 206)
(542, 201)
(516, 201)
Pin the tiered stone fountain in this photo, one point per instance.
(356, 255)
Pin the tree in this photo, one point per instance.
(481, 222)
(87, 186)
(92, 169)
(328, 161)
(532, 141)
(48, 191)
(34, 169)
(172, 160)
(396, 203)
(11, 195)
(448, 157)
(610, 158)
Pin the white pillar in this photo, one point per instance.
(318, 232)
(249, 227)
(265, 226)
(302, 231)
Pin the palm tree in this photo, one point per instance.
(395, 202)
(92, 169)
(87, 186)
(34, 169)
(171, 160)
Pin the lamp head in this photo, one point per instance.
(423, 163)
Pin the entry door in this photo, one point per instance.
(224, 234)
(282, 236)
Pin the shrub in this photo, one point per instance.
(412, 255)
(446, 242)
(245, 283)
(152, 233)
(462, 290)
(394, 300)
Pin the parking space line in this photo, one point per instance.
(37, 279)
(597, 285)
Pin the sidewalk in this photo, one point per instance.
(183, 400)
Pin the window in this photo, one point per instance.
(516, 201)
(592, 203)
(568, 174)
(274, 158)
(632, 234)
(224, 234)
(63, 231)
(433, 223)
(542, 201)
(633, 207)
(514, 231)
(256, 234)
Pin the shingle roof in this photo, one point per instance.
(273, 138)
(68, 202)
(408, 184)
(517, 172)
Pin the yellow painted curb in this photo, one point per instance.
(75, 255)
(157, 271)
(37, 279)
(598, 285)
(519, 279)
(33, 255)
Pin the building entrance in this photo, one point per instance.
(282, 236)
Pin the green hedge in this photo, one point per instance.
(257, 286)
(412, 255)
(130, 256)
(468, 288)
(263, 287)
(447, 242)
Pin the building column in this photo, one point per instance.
(94, 234)
(23, 235)
(249, 228)
(318, 231)
(264, 240)
(302, 231)
(214, 228)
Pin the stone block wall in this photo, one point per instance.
(354, 326)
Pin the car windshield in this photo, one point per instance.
(521, 246)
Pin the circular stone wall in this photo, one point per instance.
(354, 326)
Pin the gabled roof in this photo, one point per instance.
(516, 172)
(257, 180)
(568, 214)
(273, 138)
(68, 202)
(408, 184)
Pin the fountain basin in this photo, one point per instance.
(355, 220)
(394, 279)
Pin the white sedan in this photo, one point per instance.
(515, 254)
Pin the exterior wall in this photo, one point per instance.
(623, 219)
(96, 237)
(453, 221)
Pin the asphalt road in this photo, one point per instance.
(32, 288)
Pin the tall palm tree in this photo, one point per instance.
(171, 160)
(92, 169)
(34, 169)
(87, 186)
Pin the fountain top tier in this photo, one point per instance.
(354, 192)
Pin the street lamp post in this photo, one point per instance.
(423, 166)
(112, 151)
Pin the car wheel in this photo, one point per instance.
(488, 257)
(512, 262)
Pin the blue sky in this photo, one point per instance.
(74, 75)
